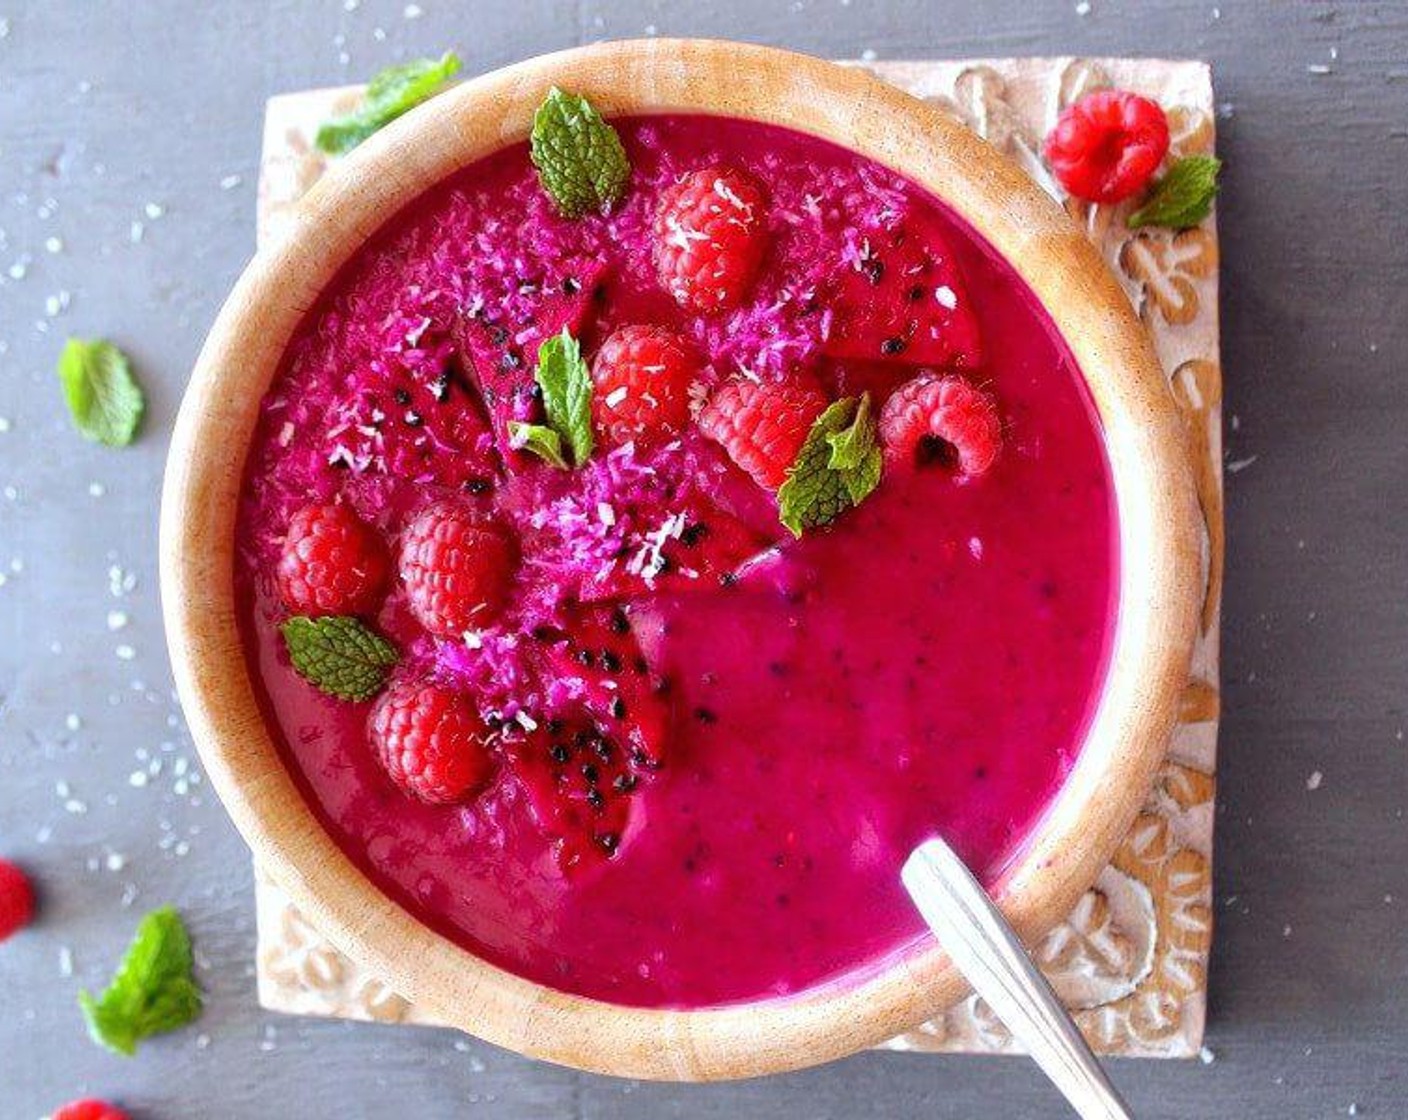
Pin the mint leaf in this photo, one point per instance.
(338, 655)
(579, 157)
(566, 383)
(391, 93)
(837, 467)
(103, 397)
(855, 452)
(152, 991)
(1183, 197)
(541, 441)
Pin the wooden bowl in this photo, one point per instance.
(1159, 561)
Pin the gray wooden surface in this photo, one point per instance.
(128, 140)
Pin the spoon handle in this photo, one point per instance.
(983, 946)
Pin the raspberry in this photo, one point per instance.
(710, 237)
(332, 562)
(1107, 145)
(456, 566)
(763, 424)
(940, 419)
(431, 742)
(89, 1109)
(641, 377)
(16, 899)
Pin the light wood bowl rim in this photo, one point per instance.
(1159, 551)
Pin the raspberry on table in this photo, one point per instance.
(16, 900)
(763, 424)
(431, 742)
(641, 378)
(1107, 145)
(89, 1109)
(332, 562)
(456, 566)
(941, 420)
(710, 235)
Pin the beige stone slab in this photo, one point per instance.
(1131, 960)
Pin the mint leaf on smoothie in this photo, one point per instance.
(566, 383)
(542, 441)
(837, 467)
(579, 157)
(1183, 197)
(390, 94)
(103, 397)
(855, 453)
(152, 991)
(338, 655)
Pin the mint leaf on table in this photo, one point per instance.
(339, 655)
(540, 440)
(152, 991)
(566, 383)
(579, 157)
(391, 93)
(103, 397)
(837, 467)
(1183, 197)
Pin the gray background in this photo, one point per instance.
(106, 108)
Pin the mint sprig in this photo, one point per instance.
(151, 993)
(1183, 197)
(103, 397)
(837, 468)
(338, 655)
(566, 385)
(580, 160)
(391, 93)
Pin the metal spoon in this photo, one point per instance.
(985, 949)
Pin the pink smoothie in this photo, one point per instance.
(928, 663)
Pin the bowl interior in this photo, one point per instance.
(1158, 567)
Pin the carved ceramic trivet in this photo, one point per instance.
(1131, 959)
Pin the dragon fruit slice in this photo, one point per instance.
(579, 785)
(699, 547)
(500, 354)
(600, 666)
(902, 300)
(605, 735)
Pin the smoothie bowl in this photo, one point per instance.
(587, 582)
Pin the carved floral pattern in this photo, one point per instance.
(302, 972)
(1166, 269)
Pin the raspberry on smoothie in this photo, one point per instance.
(653, 533)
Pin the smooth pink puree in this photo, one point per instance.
(928, 663)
